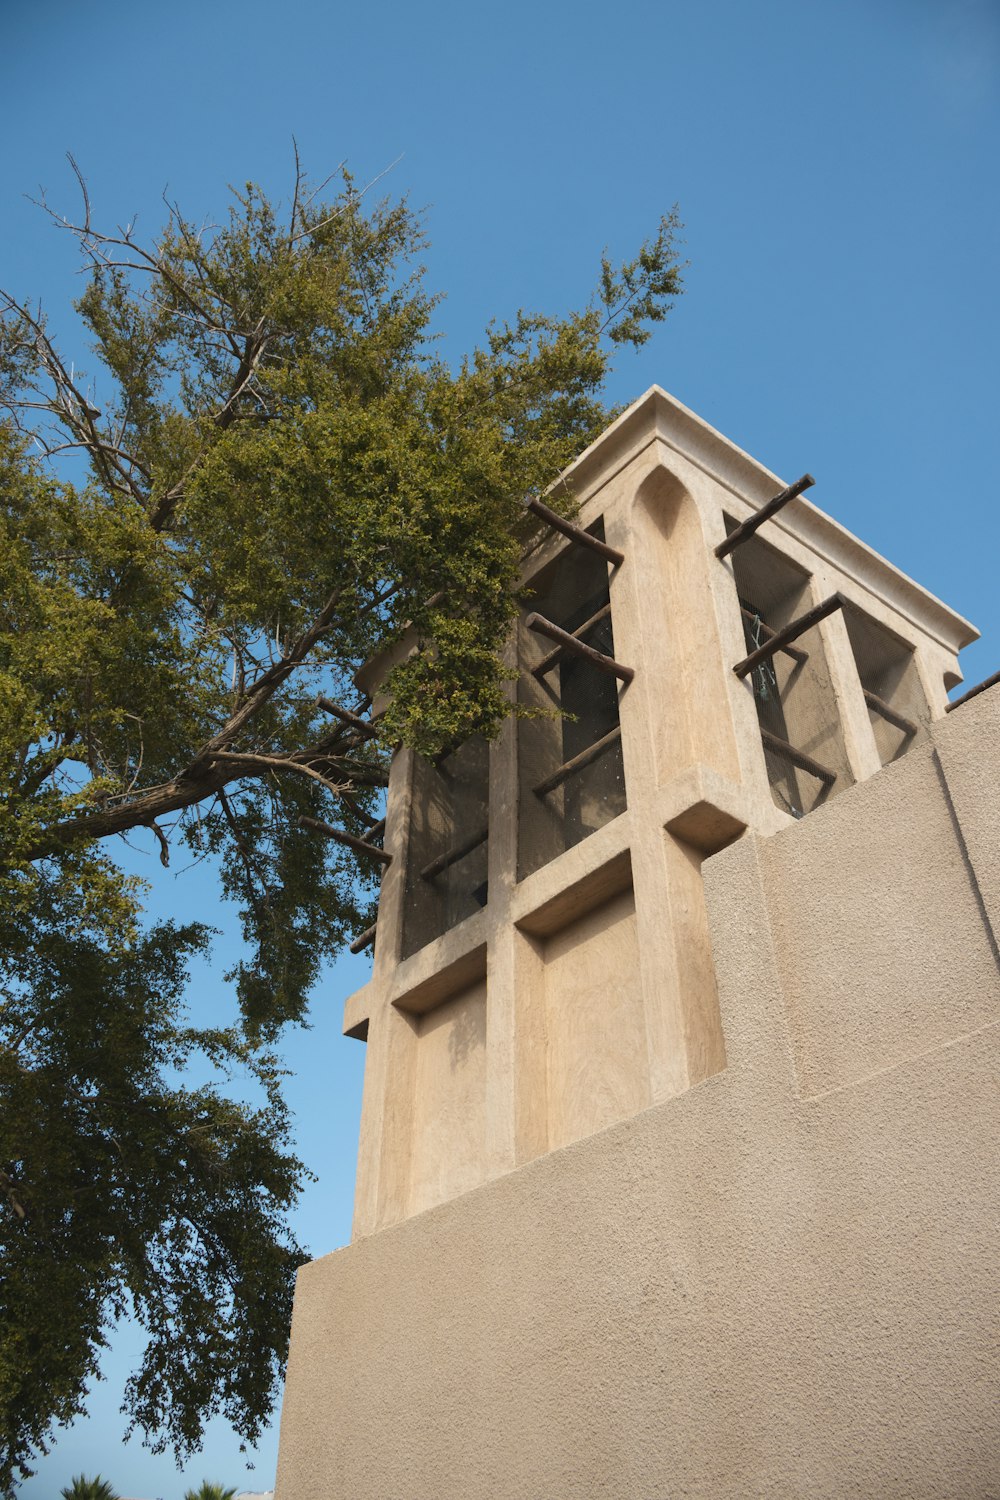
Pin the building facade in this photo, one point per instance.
(672, 1165)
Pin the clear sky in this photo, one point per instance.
(835, 162)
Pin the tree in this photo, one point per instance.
(209, 1491)
(280, 477)
(82, 1488)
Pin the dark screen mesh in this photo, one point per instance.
(447, 848)
(792, 691)
(573, 593)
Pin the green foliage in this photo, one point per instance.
(209, 1491)
(641, 291)
(82, 1488)
(128, 1193)
(282, 481)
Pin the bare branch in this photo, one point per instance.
(52, 449)
(277, 763)
(355, 197)
(298, 187)
(325, 183)
(359, 812)
(72, 407)
(254, 348)
(83, 189)
(156, 802)
(164, 846)
(260, 691)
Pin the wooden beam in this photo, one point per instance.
(887, 711)
(363, 939)
(550, 658)
(452, 856)
(563, 772)
(744, 532)
(790, 632)
(793, 651)
(568, 642)
(575, 533)
(798, 758)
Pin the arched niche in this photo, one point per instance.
(689, 708)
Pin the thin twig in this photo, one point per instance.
(353, 198)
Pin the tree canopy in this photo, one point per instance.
(268, 476)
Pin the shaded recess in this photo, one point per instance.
(572, 780)
(796, 705)
(896, 702)
(446, 864)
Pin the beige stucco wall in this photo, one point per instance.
(779, 1283)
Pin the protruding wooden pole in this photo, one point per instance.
(452, 856)
(550, 658)
(799, 758)
(746, 530)
(888, 712)
(791, 632)
(363, 939)
(568, 642)
(767, 632)
(563, 772)
(575, 533)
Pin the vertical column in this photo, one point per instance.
(638, 607)
(859, 737)
(664, 989)
(388, 1031)
(662, 733)
(501, 991)
(762, 814)
(937, 672)
(525, 965)
(394, 1101)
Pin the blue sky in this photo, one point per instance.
(835, 163)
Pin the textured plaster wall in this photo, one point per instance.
(780, 1283)
(447, 1132)
(595, 1039)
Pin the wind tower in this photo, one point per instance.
(552, 970)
